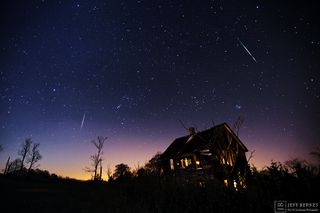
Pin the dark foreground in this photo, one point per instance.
(151, 194)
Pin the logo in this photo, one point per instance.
(280, 206)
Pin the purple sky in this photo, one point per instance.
(135, 68)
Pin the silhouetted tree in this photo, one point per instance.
(1, 148)
(122, 171)
(24, 151)
(14, 166)
(109, 174)
(276, 169)
(316, 154)
(300, 168)
(141, 172)
(7, 166)
(97, 158)
(34, 156)
(238, 124)
(154, 165)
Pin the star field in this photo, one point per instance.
(130, 70)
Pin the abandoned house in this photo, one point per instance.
(215, 153)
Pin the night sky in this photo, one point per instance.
(129, 70)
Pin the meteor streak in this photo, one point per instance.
(83, 119)
(247, 50)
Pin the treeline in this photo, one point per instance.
(29, 155)
(146, 189)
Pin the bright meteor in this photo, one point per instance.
(247, 50)
(83, 119)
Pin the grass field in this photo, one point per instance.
(151, 194)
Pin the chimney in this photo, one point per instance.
(192, 131)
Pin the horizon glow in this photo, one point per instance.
(73, 71)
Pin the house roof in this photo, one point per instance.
(191, 143)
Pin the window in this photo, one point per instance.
(235, 184)
(182, 163)
(171, 164)
(223, 161)
(198, 164)
(187, 162)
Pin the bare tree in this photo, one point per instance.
(34, 156)
(24, 151)
(7, 166)
(14, 166)
(109, 173)
(247, 167)
(238, 124)
(100, 173)
(183, 125)
(97, 158)
(192, 129)
(213, 123)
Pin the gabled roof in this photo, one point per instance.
(235, 136)
(190, 143)
(174, 147)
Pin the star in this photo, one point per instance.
(238, 106)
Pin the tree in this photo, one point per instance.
(276, 170)
(154, 164)
(109, 174)
(14, 166)
(24, 151)
(97, 158)
(122, 171)
(316, 153)
(1, 148)
(8, 164)
(238, 124)
(34, 156)
(300, 168)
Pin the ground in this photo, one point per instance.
(144, 194)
